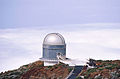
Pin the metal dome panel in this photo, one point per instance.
(54, 39)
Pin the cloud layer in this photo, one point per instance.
(22, 45)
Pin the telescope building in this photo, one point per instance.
(53, 45)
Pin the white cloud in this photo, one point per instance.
(16, 44)
(107, 38)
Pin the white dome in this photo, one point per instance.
(54, 39)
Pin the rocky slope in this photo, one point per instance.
(104, 70)
(37, 70)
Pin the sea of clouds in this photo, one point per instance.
(20, 46)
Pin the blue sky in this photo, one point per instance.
(39, 13)
(91, 29)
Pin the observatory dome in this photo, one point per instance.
(54, 39)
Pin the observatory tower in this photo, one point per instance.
(53, 45)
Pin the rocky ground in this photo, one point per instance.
(107, 69)
(104, 70)
(37, 70)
